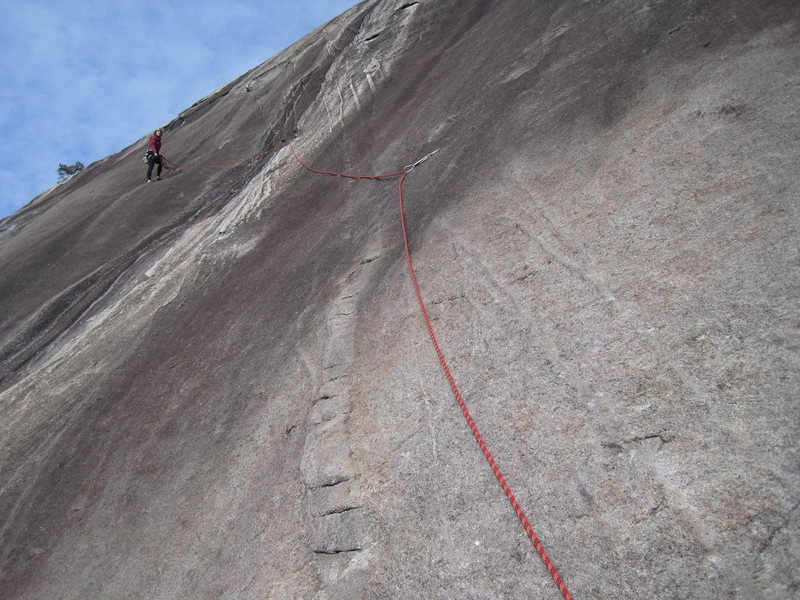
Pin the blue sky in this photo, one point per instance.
(82, 80)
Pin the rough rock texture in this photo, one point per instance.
(219, 385)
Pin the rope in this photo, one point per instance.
(258, 156)
(470, 421)
(387, 176)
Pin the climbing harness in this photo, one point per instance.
(461, 403)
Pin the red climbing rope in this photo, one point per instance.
(387, 176)
(257, 156)
(470, 421)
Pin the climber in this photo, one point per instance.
(153, 155)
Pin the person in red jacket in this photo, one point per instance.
(154, 155)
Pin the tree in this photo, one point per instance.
(65, 171)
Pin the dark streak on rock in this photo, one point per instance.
(611, 445)
(768, 541)
(333, 483)
(665, 439)
(339, 511)
(334, 552)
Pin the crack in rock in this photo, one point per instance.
(664, 439)
(337, 516)
(339, 511)
(331, 484)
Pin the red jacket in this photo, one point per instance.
(154, 145)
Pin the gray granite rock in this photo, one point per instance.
(221, 386)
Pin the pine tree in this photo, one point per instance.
(65, 171)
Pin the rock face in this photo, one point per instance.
(219, 385)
